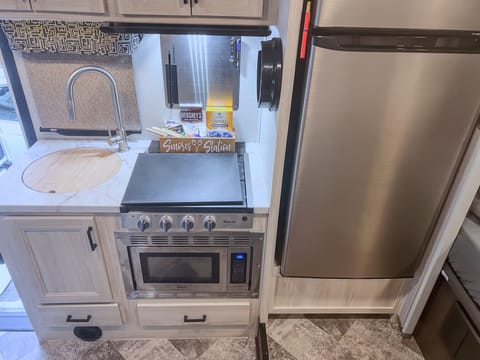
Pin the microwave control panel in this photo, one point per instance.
(180, 222)
(238, 268)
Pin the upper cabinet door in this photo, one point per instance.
(69, 6)
(15, 5)
(227, 8)
(154, 7)
(61, 259)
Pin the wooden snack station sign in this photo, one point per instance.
(197, 145)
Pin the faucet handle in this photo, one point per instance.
(113, 139)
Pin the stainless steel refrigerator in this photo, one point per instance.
(386, 98)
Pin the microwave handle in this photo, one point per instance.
(200, 320)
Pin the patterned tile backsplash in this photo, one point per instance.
(44, 77)
(67, 38)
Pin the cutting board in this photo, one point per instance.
(71, 170)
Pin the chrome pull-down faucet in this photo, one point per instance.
(121, 134)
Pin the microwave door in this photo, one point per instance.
(179, 269)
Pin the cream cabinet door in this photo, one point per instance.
(72, 6)
(227, 8)
(15, 5)
(59, 258)
(154, 7)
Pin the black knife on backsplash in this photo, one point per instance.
(83, 132)
(172, 85)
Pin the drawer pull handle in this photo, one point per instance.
(93, 244)
(187, 320)
(70, 319)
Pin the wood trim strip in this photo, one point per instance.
(331, 310)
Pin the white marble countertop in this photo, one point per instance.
(257, 194)
(16, 198)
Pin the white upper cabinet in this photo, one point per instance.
(227, 8)
(60, 259)
(154, 7)
(221, 12)
(220, 8)
(15, 5)
(69, 6)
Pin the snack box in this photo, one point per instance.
(219, 118)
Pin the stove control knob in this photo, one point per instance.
(166, 223)
(188, 222)
(143, 223)
(209, 222)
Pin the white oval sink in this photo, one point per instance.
(71, 170)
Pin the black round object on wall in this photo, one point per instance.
(87, 333)
(269, 74)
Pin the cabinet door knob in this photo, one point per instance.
(93, 244)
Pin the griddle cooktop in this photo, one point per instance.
(186, 182)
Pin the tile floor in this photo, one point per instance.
(24, 346)
(288, 339)
(317, 338)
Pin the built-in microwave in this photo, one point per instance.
(190, 264)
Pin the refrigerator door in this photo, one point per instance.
(413, 14)
(381, 136)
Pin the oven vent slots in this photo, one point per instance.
(201, 240)
(241, 240)
(221, 240)
(180, 240)
(138, 240)
(159, 240)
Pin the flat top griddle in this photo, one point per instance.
(161, 179)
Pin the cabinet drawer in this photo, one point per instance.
(78, 315)
(189, 314)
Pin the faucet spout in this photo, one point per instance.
(121, 138)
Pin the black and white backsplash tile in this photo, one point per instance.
(33, 36)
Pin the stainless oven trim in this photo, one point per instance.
(225, 222)
(122, 239)
(138, 275)
(122, 243)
